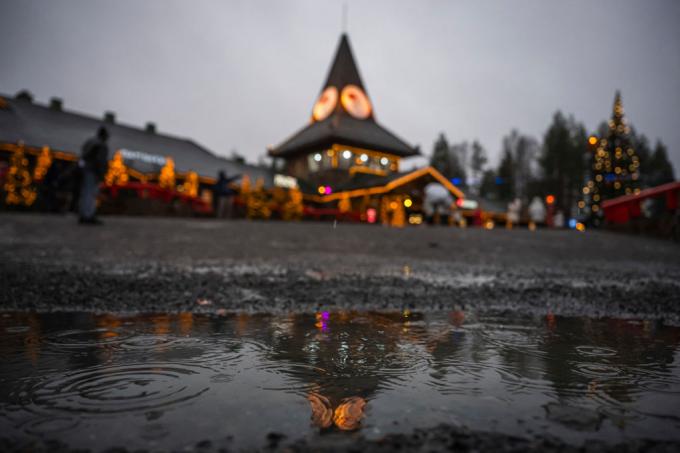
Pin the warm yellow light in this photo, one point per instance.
(408, 203)
(592, 140)
(322, 190)
(355, 102)
(325, 104)
(489, 224)
(394, 205)
(581, 204)
(580, 227)
(586, 190)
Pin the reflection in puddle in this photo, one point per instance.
(347, 416)
(164, 381)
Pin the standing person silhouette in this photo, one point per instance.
(94, 157)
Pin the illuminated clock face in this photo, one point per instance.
(356, 103)
(325, 104)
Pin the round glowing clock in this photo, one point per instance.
(325, 104)
(355, 101)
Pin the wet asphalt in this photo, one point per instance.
(49, 263)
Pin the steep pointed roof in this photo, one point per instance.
(344, 70)
(340, 127)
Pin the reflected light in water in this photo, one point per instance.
(349, 413)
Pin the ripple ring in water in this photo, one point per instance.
(106, 390)
(594, 351)
(598, 370)
(83, 338)
(51, 425)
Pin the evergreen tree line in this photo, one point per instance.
(559, 165)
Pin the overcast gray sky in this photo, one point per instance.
(244, 74)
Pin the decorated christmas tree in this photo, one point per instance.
(167, 177)
(117, 173)
(294, 207)
(190, 186)
(43, 164)
(257, 205)
(19, 184)
(615, 166)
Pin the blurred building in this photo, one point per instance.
(342, 165)
(345, 160)
(144, 151)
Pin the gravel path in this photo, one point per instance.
(155, 264)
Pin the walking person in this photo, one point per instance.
(223, 196)
(94, 157)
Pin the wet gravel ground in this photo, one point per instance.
(153, 264)
(49, 263)
(440, 438)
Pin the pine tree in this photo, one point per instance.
(440, 156)
(477, 161)
(659, 169)
(563, 161)
(615, 165)
(506, 183)
(19, 184)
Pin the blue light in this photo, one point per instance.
(456, 181)
(572, 223)
(499, 180)
(609, 177)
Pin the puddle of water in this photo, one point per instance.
(171, 381)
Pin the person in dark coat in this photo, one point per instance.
(223, 195)
(94, 164)
(49, 187)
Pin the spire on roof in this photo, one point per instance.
(344, 70)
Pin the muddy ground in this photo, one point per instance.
(49, 263)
